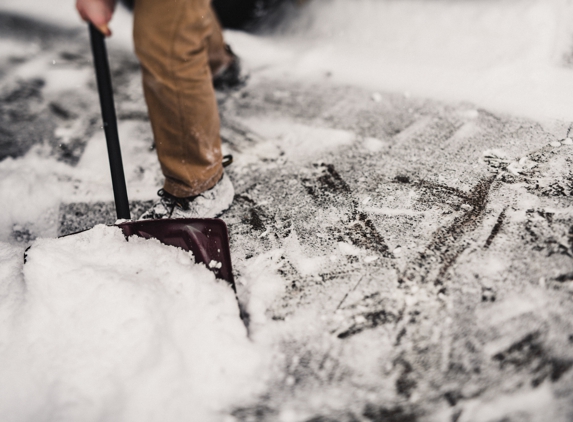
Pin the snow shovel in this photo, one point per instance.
(206, 238)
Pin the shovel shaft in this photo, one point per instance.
(109, 122)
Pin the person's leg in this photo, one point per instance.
(219, 55)
(170, 38)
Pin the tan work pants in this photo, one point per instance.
(179, 44)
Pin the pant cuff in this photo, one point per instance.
(182, 190)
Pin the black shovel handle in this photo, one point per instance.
(109, 122)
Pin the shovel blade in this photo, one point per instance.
(206, 238)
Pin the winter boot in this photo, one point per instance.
(229, 77)
(209, 204)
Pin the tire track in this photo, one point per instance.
(446, 244)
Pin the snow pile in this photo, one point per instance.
(97, 328)
(33, 187)
(512, 56)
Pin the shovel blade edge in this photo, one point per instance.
(206, 238)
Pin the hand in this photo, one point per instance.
(98, 12)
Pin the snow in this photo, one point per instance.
(293, 141)
(348, 249)
(13, 48)
(374, 145)
(63, 13)
(58, 80)
(96, 327)
(393, 211)
(47, 183)
(93, 327)
(140, 166)
(260, 286)
(537, 405)
(305, 264)
(506, 56)
(40, 180)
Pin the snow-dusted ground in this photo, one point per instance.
(401, 233)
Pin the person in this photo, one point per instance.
(182, 53)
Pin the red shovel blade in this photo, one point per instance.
(206, 238)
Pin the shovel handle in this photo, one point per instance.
(109, 122)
